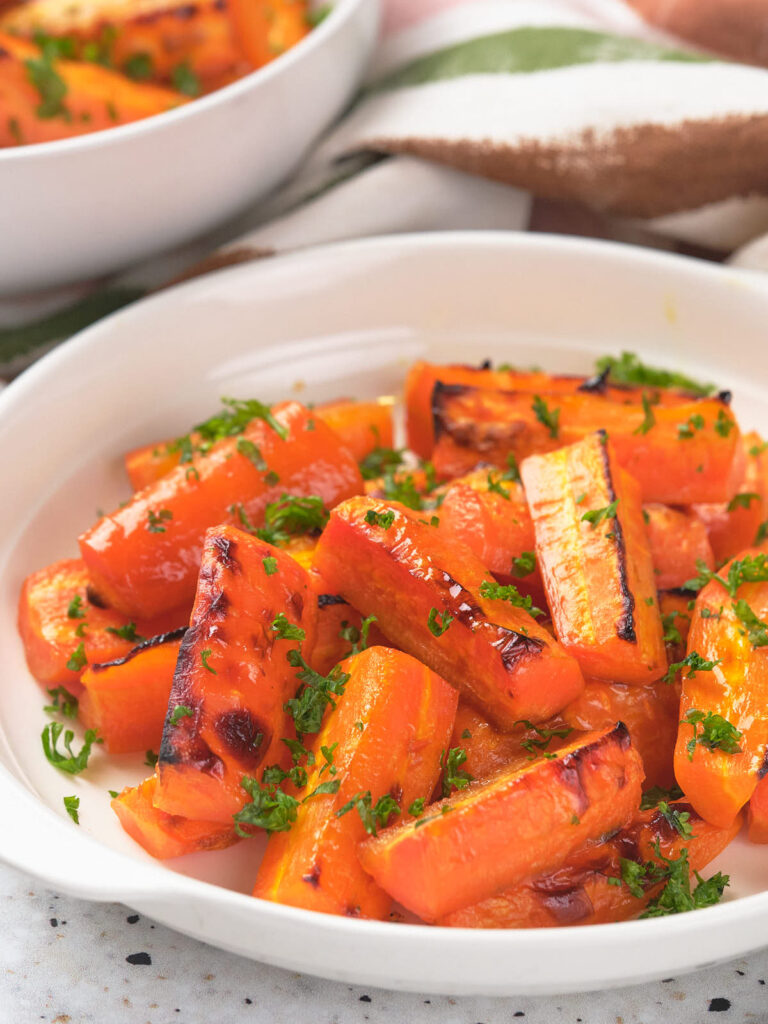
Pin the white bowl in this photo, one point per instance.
(84, 207)
(345, 320)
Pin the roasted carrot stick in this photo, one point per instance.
(758, 812)
(588, 887)
(679, 454)
(360, 426)
(63, 630)
(595, 561)
(126, 700)
(492, 650)
(226, 711)
(144, 557)
(422, 377)
(43, 100)
(520, 824)
(387, 734)
(678, 540)
(166, 835)
(723, 732)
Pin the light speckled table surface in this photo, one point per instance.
(67, 961)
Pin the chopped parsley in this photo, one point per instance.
(677, 897)
(230, 422)
(185, 80)
(599, 515)
(694, 663)
(270, 565)
(742, 501)
(454, 776)
(358, 638)
(716, 733)
(495, 486)
(155, 520)
(496, 592)
(724, 424)
(512, 472)
(382, 519)
(762, 532)
(50, 86)
(319, 14)
(270, 808)
(72, 806)
(139, 67)
(649, 420)
(75, 608)
(77, 659)
(672, 634)
(680, 821)
(150, 758)
(757, 630)
(126, 632)
(654, 796)
(252, 452)
(179, 712)
(438, 623)
(628, 370)
(536, 747)
(751, 569)
(380, 461)
(62, 702)
(373, 816)
(204, 656)
(687, 430)
(290, 516)
(550, 418)
(72, 763)
(316, 692)
(524, 564)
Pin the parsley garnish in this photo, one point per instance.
(685, 431)
(358, 638)
(113, 793)
(524, 564)
(185, 80)
(270, 565)
(373, 816)
(270, 808)
(317, 692)
(231, 421)
(694, 663)
(150, 758)
(155, 520)
(50, 86)
(252, 452)
(512, 472)
(319, 14)
(74, 763)
(757, 630)
(630, 371)
(678, 820)
(724, 424)
(757, 449)
(742, 501)
(672, 634)
(75, 609)
(496, 592)
(454, 776)
(382, 519)
(77, 659)
(179, 712)
(676, 897)
(62, 702)
(649, 420)
(545, 736)
(438, 623)
(417, 807)
(126, 632)
(204, 656)
(716, 733)
(657, 794)
(379, 461)
(496, 487)
(751, 569)
(290, 516)
(139, 67)
(72, 806)
(397, 487)
(550, 418)
(762, 532)
(598, 515)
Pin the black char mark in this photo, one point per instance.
(94, 598)
(313, 878)
(762, 771)
(244, 735)
(324, 600)
(145, 645)
(625, 624)
(596, 385)
(225, 550)
(440, 392)
(568, 906)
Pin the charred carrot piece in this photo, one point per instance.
(91, 97)
(723, 734)
(649, 712)
(422, 377)
(734, 525)
(519, 824)
(266, 28)
(595, 561)
(678, 540)
(758, 812)
(225, 713)
(166, 835)
(63, 630)
(360, 426)
(126, 700)
(387, 734)
(588, 888)
(144, 557)
(679, 454)
(493, 651)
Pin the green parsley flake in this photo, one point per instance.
(599, 515)
(550, 418)
(382, 519)
(72, 806)
(716, 733)
(179, 712)
(496, 592)
(73, 763)
(270, 565)
(438, 623)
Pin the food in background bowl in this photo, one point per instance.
(72, 69)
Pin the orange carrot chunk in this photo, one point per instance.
(225, 713)
(678, 540)
(723, 732)
(166, 835)
(492, 650)
(387, 734)
(266, 28)
(589, 888)
(144, 557)
(758, 812)
(126, 700)
(678, 454)
(595, 561)
(497, 833)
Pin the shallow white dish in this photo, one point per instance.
(344, 320)
(85, 207)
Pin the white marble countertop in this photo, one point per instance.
(66, 961)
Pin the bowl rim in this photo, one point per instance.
(338, 16)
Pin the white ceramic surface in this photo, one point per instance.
(344, 320)
(84, 207)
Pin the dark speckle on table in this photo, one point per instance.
(132, 918)
(719, 1005)
(365, 999)
(54, 923)
(143, 959)
(248, 1001)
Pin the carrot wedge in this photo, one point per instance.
(225, 713)
(521, 823)
(144, 557)
(492, 651)
(166, 835)
(722, 739)
(595, 561)
(758, 812)
(387, 734)
(587, 888)
(126, 700)
(678, 453)
(678, 541)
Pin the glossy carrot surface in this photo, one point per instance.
(678, 540)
